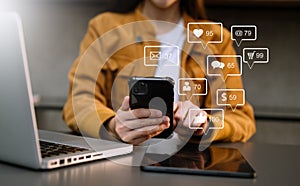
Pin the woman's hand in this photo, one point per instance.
(181, 119)
(137, 126)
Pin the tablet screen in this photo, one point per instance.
(214, 161)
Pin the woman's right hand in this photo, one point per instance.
(138, 125)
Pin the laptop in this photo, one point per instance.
(21, 142)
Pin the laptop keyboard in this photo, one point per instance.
(49, 149)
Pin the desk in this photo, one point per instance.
(275, 165)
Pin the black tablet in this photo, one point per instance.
(213, 161)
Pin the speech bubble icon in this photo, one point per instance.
(214, 116)
(192, 87)
(154, 54)
(255, 55)
(231, 97)
(205, 33)
(216, 63)
(241, 33)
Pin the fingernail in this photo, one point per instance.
(166, 119)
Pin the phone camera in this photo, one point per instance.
(140, 88)
(135, 90)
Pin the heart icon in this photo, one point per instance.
(198, 32)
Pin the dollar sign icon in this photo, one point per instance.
(224, 96)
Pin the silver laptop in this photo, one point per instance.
(21, 142)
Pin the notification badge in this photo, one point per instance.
(240, 33)
(215, 65)
(231, 97)
(205, 33)
(192, 86)
(255, 55)
(155, 54)
(214, 115)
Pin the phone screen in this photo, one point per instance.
(215, 161)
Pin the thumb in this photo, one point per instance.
(125, 104)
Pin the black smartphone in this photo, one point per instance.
(214, 161)
(153, 93)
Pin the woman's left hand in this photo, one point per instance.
(181, 119)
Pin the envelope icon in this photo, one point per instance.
(154, 55)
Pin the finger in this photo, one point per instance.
(178, 111)
(138, 141)
(125, 104)
(196, 119)
(146, 113)
(175, 123)
(141, 123)
(149, 133)
(166, 122)
(183, 110)
(201, 131)
(135, 134)
(147, 128)
(187, 117)
(138, 113)
(155, 131)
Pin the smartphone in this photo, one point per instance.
(153, 93)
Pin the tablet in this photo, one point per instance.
(213, 161)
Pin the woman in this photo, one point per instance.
(136, 126)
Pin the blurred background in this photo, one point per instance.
(54, 28)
